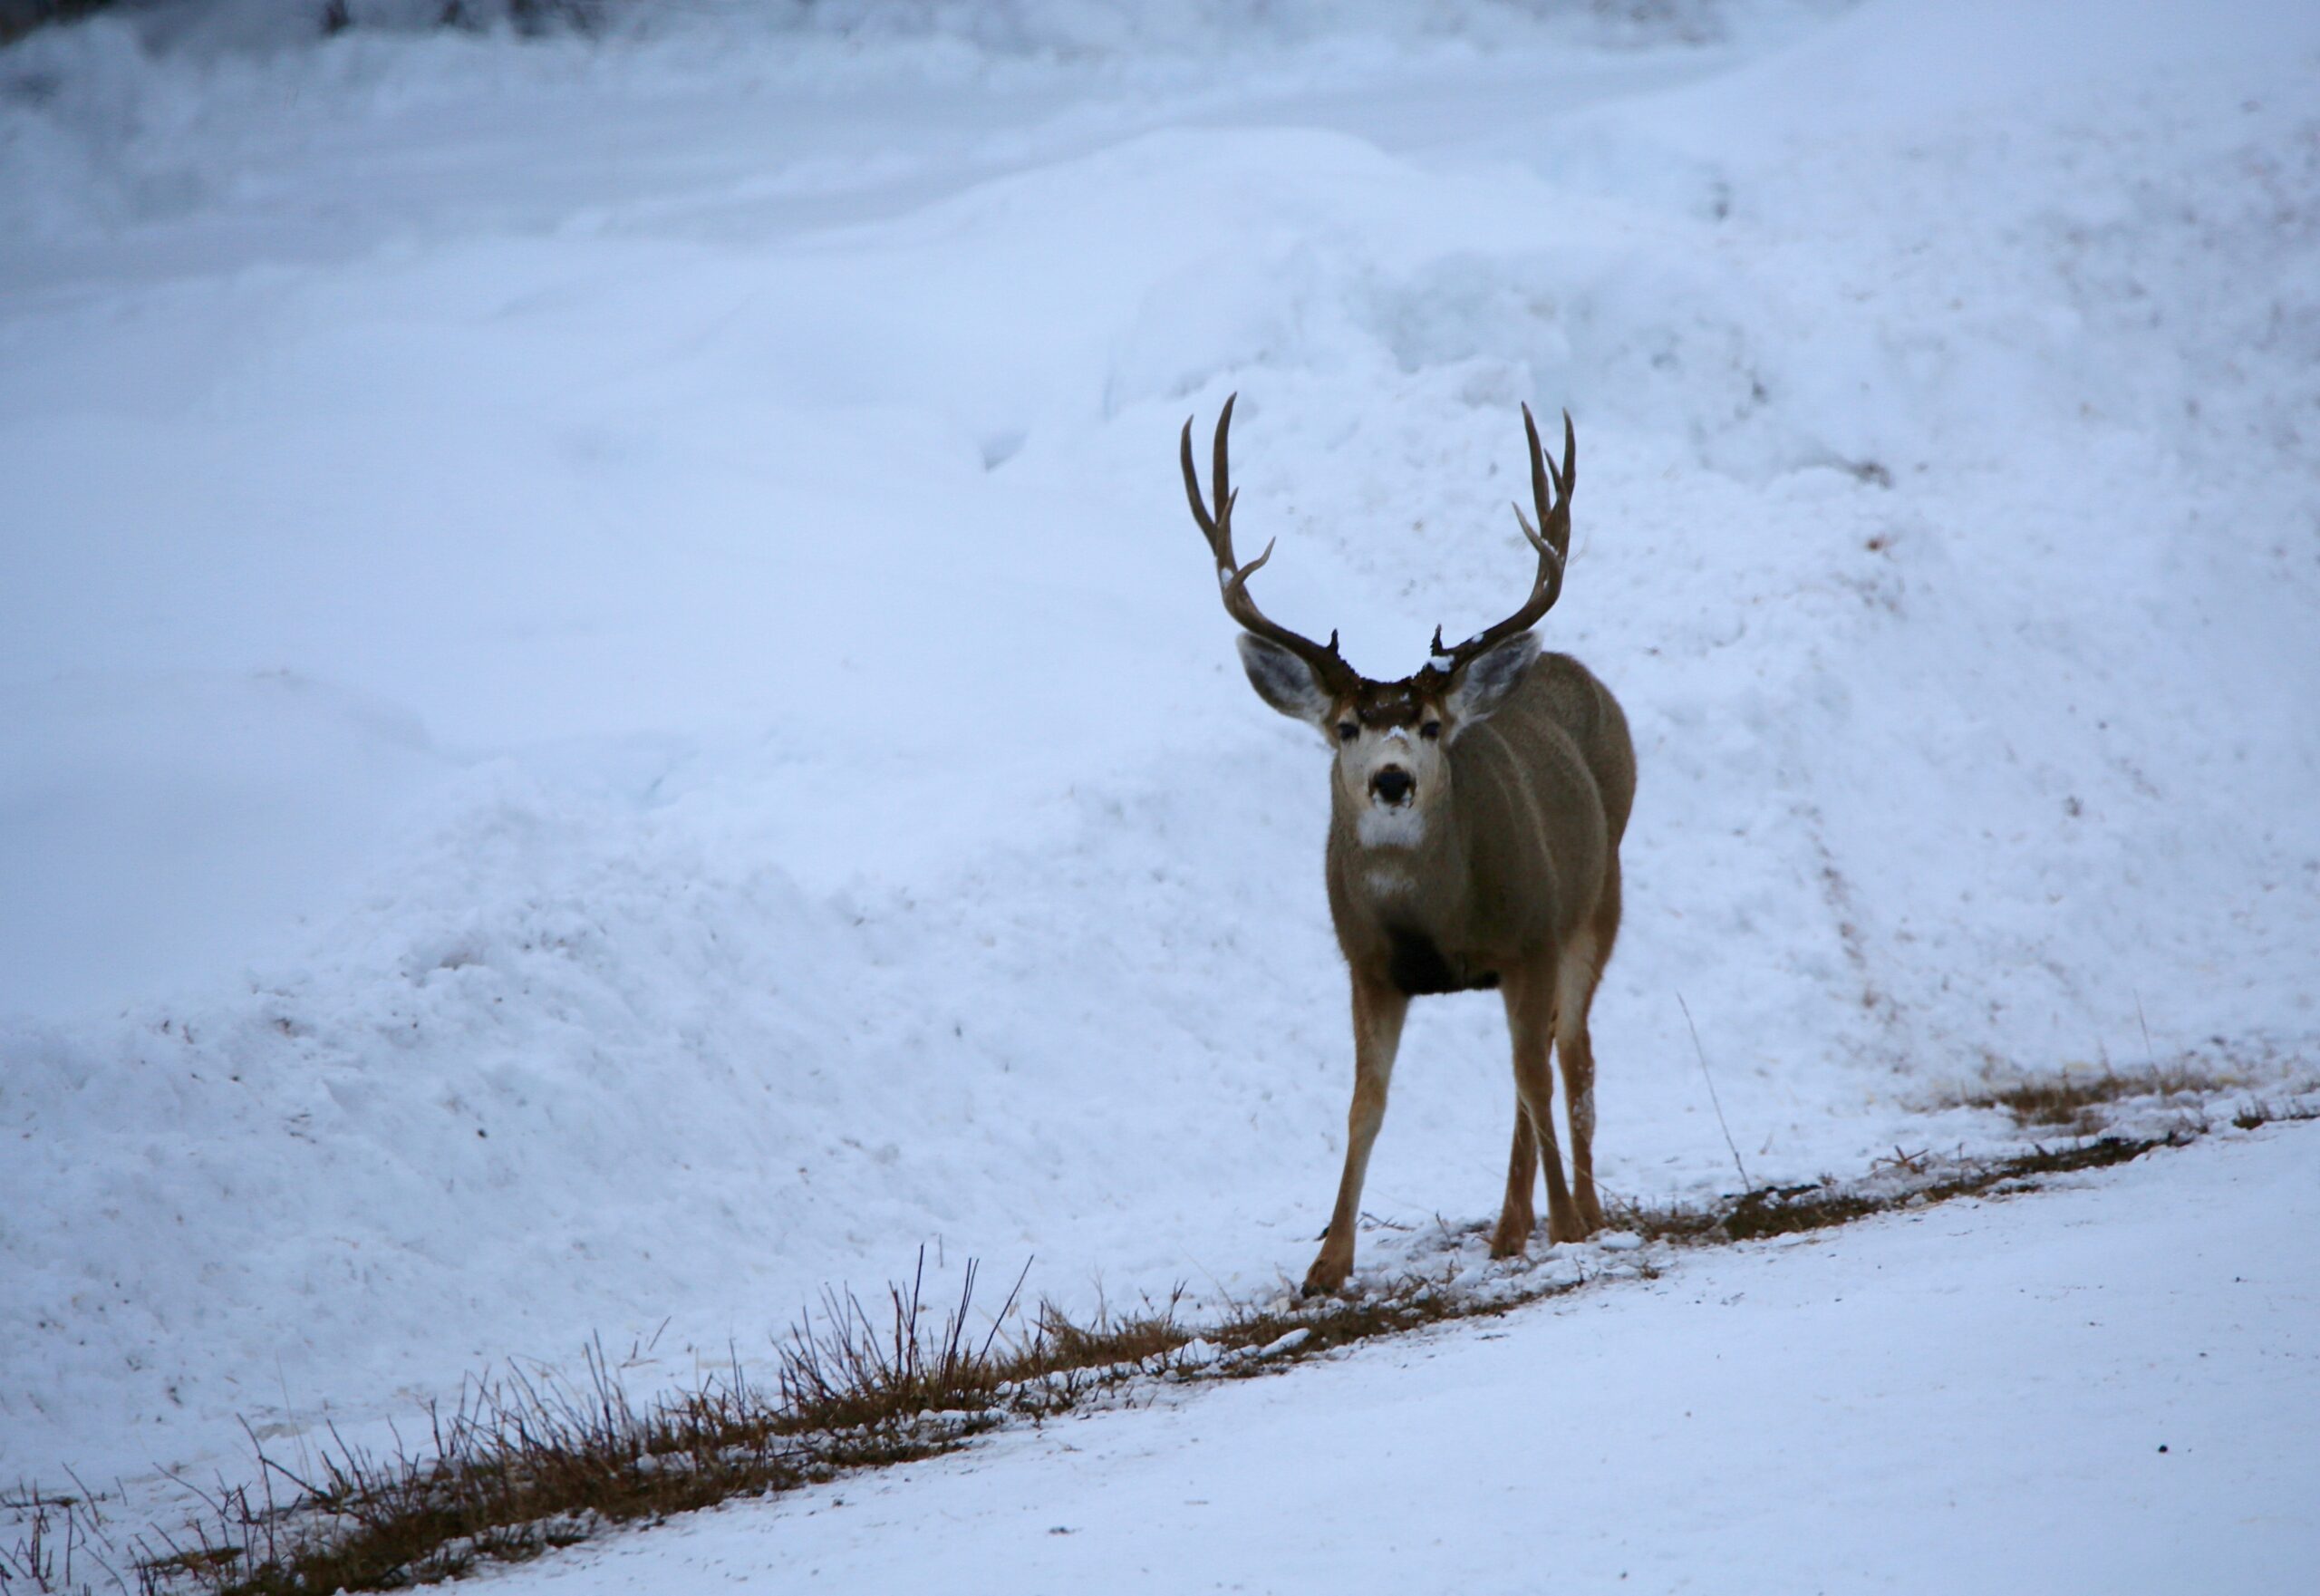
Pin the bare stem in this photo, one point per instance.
(1713, 1101)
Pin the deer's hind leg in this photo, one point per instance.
(1576, 974)
(1518, 1218)
(1531, 1022)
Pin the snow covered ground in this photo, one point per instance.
(2102, 1390)
(609, 712)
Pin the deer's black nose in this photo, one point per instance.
(1392, 784)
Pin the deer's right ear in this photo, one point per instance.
(1284, 681)
(1481, 685)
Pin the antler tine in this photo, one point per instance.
(1220, 463)
(1216, 525)
(1542, 473)
(1551, 488)
(1193, 493)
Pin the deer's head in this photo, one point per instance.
(1392, 738)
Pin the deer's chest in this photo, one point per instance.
(1416, 965)
(1402, 916)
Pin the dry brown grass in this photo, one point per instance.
(1904, 1180)
(845, 1371)
(56, 1543)
(2072, 1100)
(528, 1462)
(1108, 1338)
(2255, 1111)
(1787, 1210)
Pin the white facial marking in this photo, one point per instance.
(1413, 769)
(1389, 881)
(1378, 826)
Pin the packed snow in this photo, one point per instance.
(609, 711)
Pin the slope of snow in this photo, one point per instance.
(611, 712)
(2104, 1390)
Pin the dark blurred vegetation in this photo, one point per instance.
(19, 17)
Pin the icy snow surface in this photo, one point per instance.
(609, 711)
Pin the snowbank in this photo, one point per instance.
(612, 714)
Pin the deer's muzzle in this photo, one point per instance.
(1392, 785)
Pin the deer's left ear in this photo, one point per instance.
(1483, 682)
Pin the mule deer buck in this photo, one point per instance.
(1475, 816)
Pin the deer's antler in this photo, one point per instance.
(1216, 523)
(1550, 493)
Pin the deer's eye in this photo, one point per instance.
(1347, 730)
(1430, 731)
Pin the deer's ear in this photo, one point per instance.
(1284, 681)
(1483, 682)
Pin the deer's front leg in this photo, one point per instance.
(1377, 1013)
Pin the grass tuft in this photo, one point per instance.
(845, 1371)
(1105, 1339)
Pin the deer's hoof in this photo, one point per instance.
(1326, 1275)
(1510, 1240)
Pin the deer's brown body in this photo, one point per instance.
(1477, 810)
(1539, 796)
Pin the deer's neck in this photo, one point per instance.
(1405, 910)
(1404, 869)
